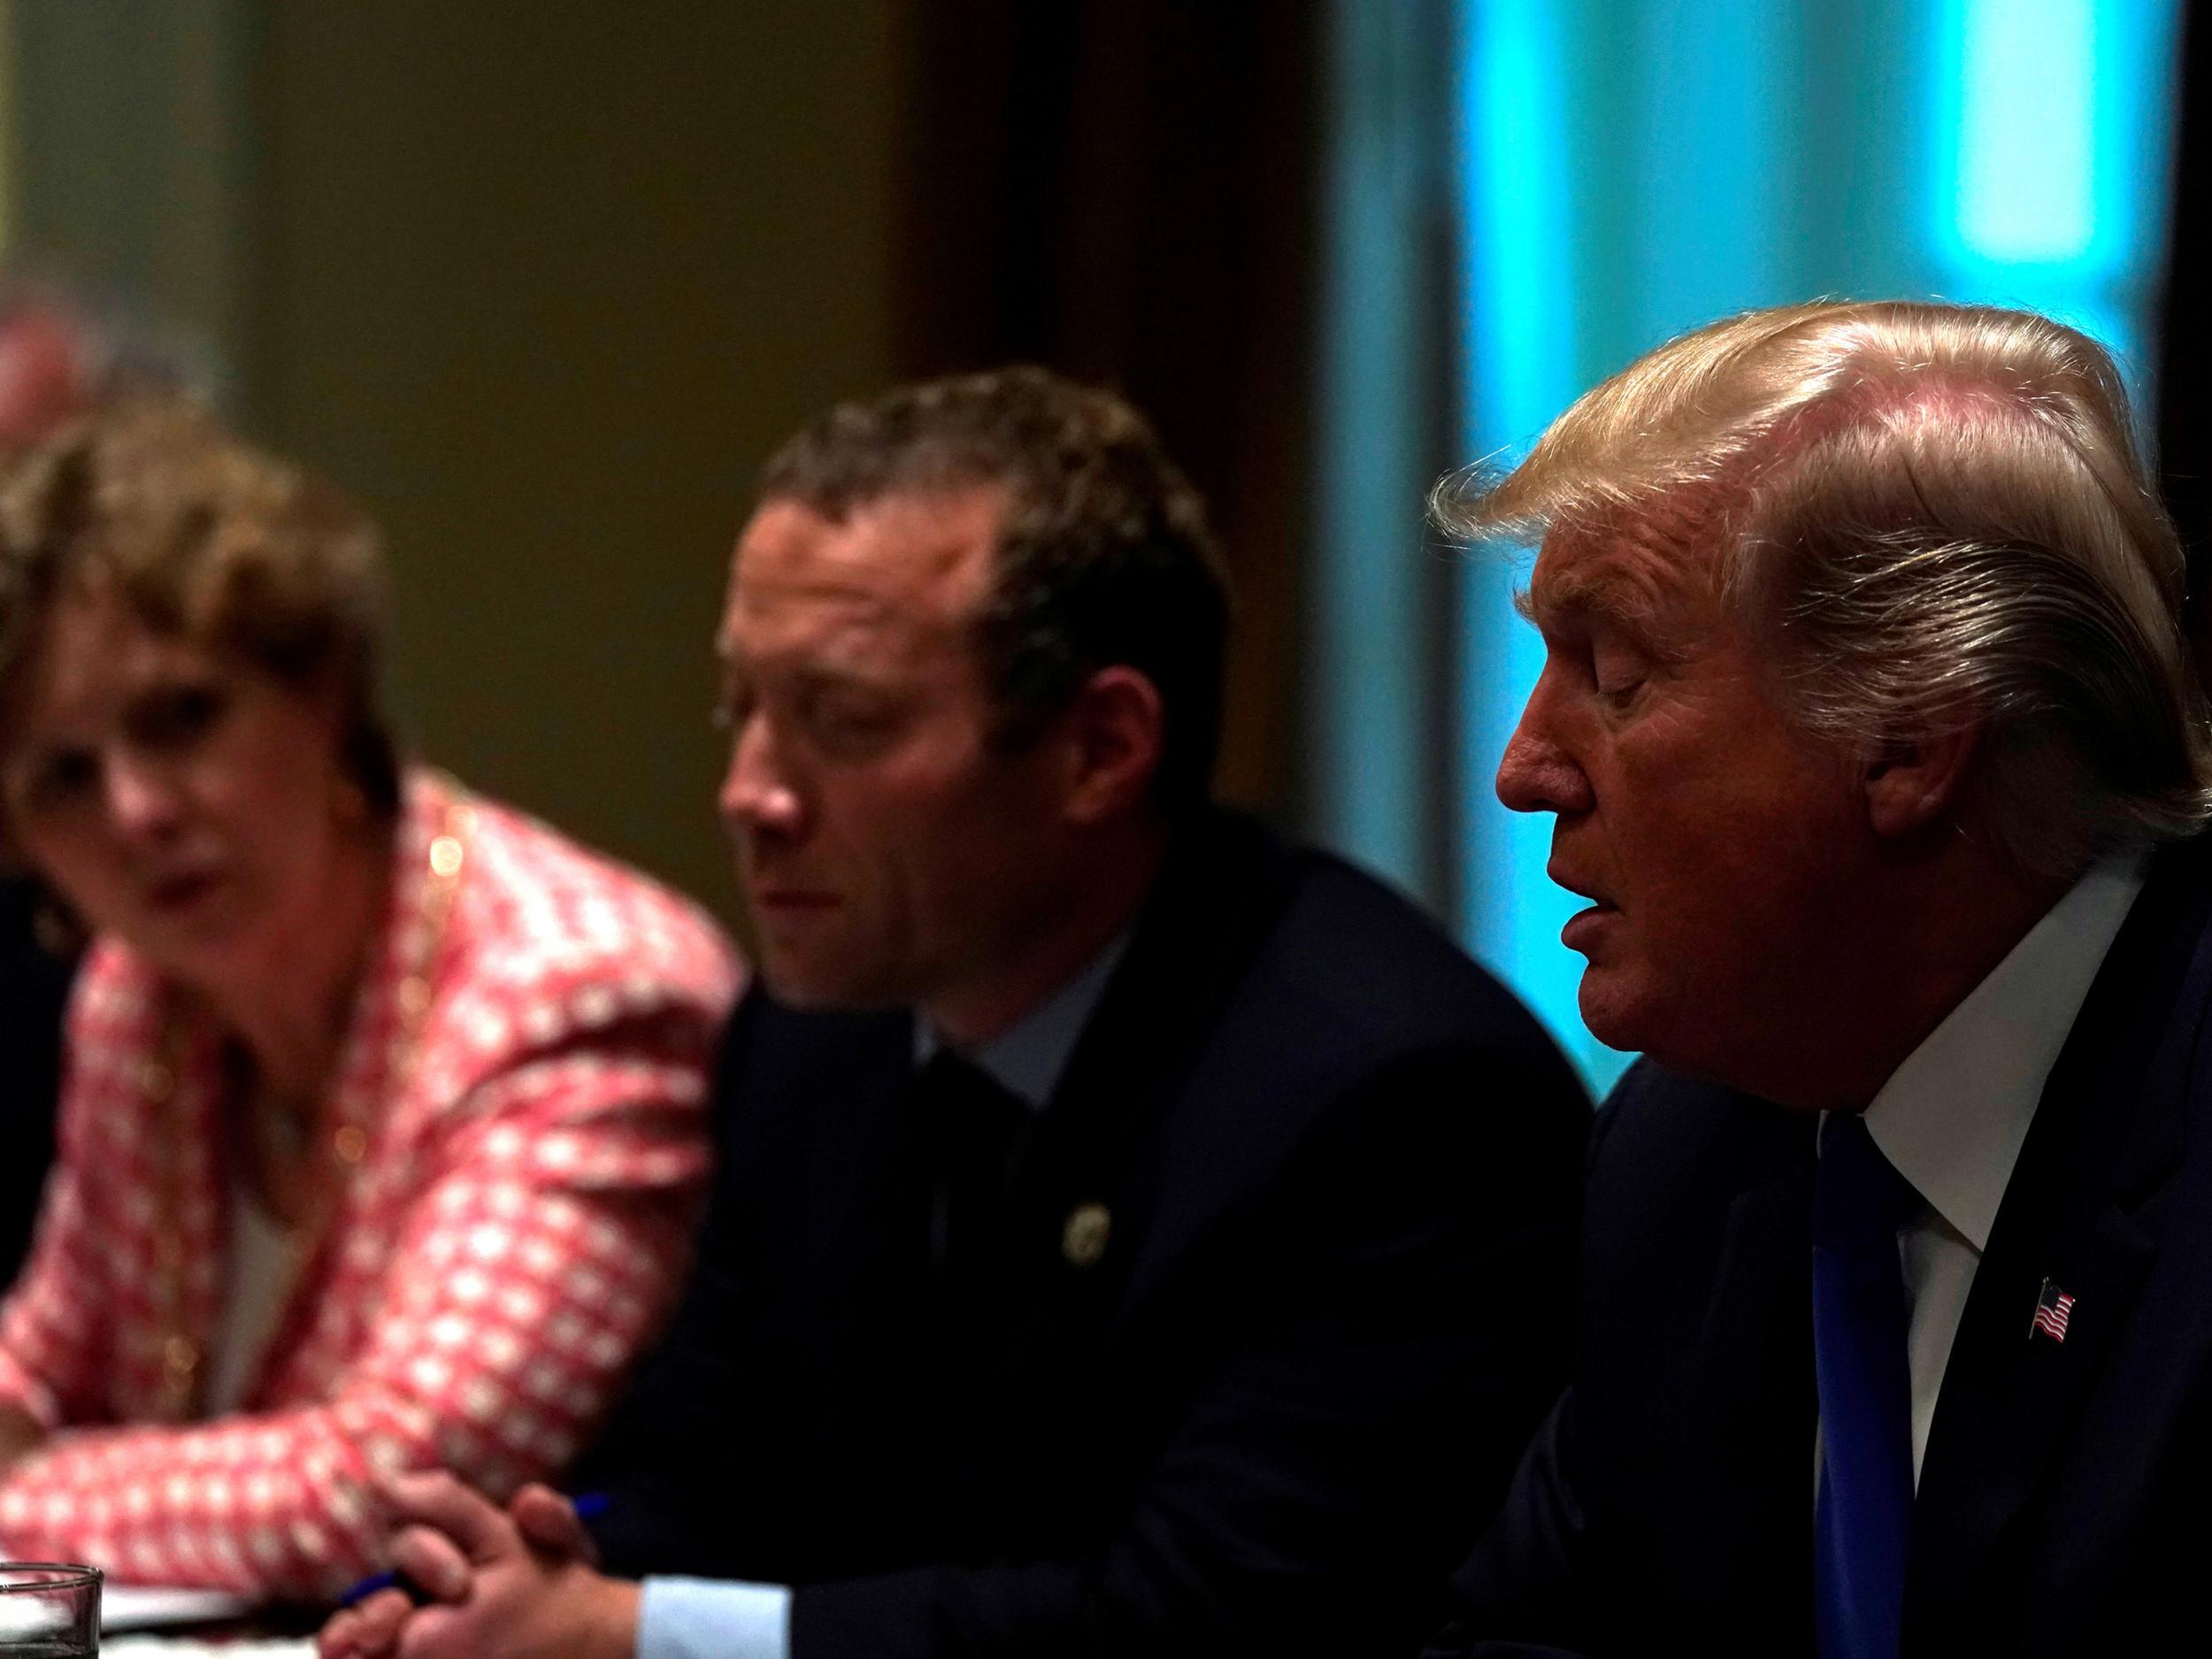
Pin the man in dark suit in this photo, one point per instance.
(1134, 1235)
(1871, 731)
(33, 990)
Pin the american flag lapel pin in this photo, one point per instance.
(2052, 1308)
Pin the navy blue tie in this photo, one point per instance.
(1862, 1514)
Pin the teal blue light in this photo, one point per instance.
(2052, 160)
(1713, 165)
(1516, 138)
(2025, 76)
(1368, 754)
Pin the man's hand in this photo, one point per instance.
(504, 1583)
(549, 1521)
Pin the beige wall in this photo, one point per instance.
(540, 283)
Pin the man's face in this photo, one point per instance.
(892, 856)
(1716, 842)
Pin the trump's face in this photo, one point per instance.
(1715, 841)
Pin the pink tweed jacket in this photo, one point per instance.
(517, 1134)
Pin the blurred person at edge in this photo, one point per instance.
(59, 357)
(64, 349)
(1869, 731)
(1219, 1245)
(382, 1126)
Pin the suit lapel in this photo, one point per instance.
(1135, 1056)
(2106, 1134)
(1747, 1474)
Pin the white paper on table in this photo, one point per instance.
(178, 1647)
(126, 1606)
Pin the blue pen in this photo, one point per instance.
(589, 1506)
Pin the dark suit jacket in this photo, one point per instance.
(2062, 1505)
(1341, 1163)
(34, 987)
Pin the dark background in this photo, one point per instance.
(542, 285)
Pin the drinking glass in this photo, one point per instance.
(49, 1609)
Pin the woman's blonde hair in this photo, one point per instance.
(1935, 518)
(205, 538)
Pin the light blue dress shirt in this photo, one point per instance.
(718, 1618)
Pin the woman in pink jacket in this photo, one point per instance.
(383, 1116)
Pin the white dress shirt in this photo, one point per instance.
(717, 1618)
(259, 1272)
(1952, 1119)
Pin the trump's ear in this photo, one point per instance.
(1909, 783)
(1112, 732)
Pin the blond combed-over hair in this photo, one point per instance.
(1934, 520)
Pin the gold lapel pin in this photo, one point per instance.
(1083, 1239)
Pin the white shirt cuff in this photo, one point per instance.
(713, 1619)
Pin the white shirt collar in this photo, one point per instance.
(1952, 1119)
(1027, 1058)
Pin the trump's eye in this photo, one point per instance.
(1618, 669)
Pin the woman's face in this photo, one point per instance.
(175, 797)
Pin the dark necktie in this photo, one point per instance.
(1862, 1514)
(972, 1129)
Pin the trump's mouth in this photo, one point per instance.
(1585, 928)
